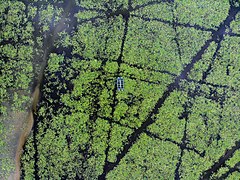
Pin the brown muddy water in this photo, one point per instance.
(26, 129)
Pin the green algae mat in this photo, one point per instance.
(178, 114)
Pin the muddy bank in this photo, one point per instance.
(23, 123)
(22, 139)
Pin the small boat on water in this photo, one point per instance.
(120, 84)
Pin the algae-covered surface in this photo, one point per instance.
(62, 115)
